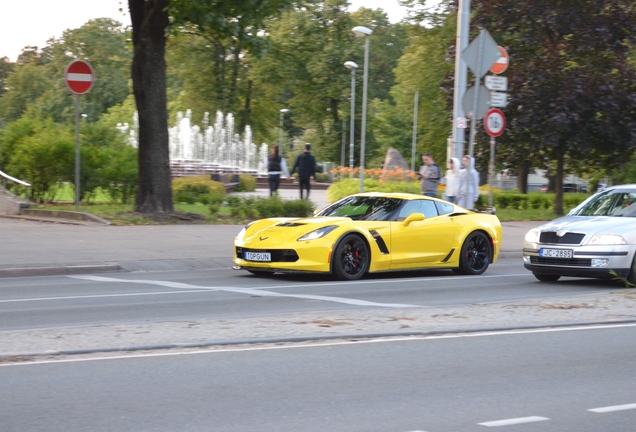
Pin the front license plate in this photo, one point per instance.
(555, 253)
(258, 256)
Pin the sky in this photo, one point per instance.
(33, 22)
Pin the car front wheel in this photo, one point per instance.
(351, 258)
(475, 254)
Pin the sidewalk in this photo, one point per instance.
(30, 248)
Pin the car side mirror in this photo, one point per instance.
(413, 217)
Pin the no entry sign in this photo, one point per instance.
(79, 77)
(501, 64)
(495, 122)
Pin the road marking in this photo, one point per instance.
(313, 344)
(101, 296)
(252, 292)
(614, 408)
(514, 421)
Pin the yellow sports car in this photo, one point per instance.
(372, 232)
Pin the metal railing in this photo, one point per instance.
(16, 182)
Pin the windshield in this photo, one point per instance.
(363, 208)
(616, 202)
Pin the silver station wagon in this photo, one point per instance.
(597, 239)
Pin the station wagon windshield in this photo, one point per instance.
(616, 203)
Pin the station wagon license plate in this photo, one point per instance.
(555, 253)
(258, 256)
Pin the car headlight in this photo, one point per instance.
(533, 236)
(320, 232)
(607, 239)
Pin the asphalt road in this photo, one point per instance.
(60, 301)
(553, 380)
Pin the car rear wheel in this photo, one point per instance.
(351, 258)
(475, 254)
(546, 277)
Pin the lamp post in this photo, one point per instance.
(280, 137)
(352, 66)
(363, 32)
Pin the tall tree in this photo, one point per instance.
(151, 21)
(572, 89)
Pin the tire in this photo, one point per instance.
(631, 277)
(261, 273)
(351, 258)
(546, 277)
(475, 254)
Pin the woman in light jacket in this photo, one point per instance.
(468, 183)
(452, 180)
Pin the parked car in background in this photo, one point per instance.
(596, 239)
(574, 187)
(542, 189)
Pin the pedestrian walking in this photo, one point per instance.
(451, 180)
(429, 175)
(276, 165)
(305, 163)
(468, 183)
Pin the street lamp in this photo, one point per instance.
(280, 137)
(364, 32)
(353, 66)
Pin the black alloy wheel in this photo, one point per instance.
(546, 277)
(350, 260)
(475, 254)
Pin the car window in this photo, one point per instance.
(444, 208)
(426, 207)
(619, 203)
(363, 208)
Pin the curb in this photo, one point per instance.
(298, 339)
(60, 271)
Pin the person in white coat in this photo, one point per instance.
(452, 180)
(468, 183)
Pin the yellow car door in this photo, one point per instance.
(420, 237)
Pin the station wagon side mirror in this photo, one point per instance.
(413, 217)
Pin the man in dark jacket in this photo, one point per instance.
(306, 165)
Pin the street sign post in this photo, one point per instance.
(501, 64)
(79, 78)
(495, 122)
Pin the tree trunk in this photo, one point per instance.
(558, 181)
(150, 21)
(236, 63)
(522, 177)
(247, 109)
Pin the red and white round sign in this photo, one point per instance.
(495, 122)
(79, 77)
(501, 64)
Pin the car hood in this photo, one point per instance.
(591, 225)
(280, 232)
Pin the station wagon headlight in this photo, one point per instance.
(533, 236)
(607, 239)
(320, 232)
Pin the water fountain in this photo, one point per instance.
(196, 150)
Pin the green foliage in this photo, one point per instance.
(196, 189)
(247, 183)
(535, 201)
(346, 187)
(270, 207)
(298, 208)
(323, 178)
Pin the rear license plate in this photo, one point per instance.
(555, 253)
(258, 256)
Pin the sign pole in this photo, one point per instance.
(492, 170)
(77, 151)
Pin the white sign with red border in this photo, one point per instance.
(79, 77)
(495, 122)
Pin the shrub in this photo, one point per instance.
(323, 178)
(349, 186)
(196, 189)
(247, 183)
(298, 208)
(270, 207)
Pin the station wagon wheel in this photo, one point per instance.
(350, 259)
(546, 277)
(475, 254)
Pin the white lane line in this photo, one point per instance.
(613, 408)
(79, 297)
(252, 292)
(269, 347)
(514, 421)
